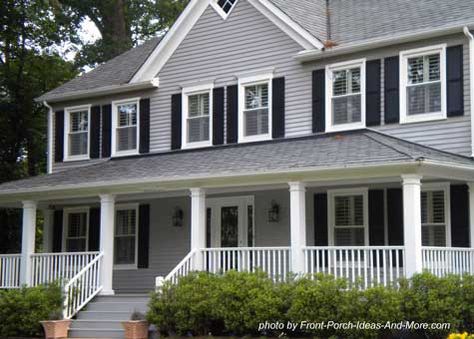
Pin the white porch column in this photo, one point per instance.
(48, 220)
(198, 224)
(471, 214)
(297, 225)
(412, 223)
(27, 241)
(107, 227)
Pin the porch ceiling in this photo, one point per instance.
(355, 154)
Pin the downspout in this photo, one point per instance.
(50, 138)
(471, 84)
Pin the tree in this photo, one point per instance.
(122, 23)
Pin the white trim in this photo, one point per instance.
(446, 188)
(220, 11)
(202, 88)
(404, 56)
(67, 116)
(471, 82)
(329, 90)
(66, 213)
(191, 14)
(364, 191)
(127, 207)
(50, 138)
(115, 104)
(249, 79)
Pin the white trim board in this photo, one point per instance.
(193, 12)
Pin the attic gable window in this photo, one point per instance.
(223, 7)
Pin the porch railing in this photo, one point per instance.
(84, 286)
(366, 265)
(50, 267)
(10, 270)
(182, 269)
(441, 261)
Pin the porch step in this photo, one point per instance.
(103, 316)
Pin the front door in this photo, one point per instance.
(230, 222)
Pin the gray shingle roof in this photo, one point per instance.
(117, 71)
(357, 148)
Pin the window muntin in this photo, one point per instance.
(76, 231)
(125, 237)
(433, 218)
(256, 110)
(226, 5)
(198, 119)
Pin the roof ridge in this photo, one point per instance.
(387, 145)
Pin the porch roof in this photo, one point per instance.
(346, 150)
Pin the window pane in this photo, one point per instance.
(125, 236)
(124, 250)
(126, 138)
(126, 222)
(349, 210)
(76, 245)
(256, 122)
(77, 224)
(434, 235)
(349, 237)
(424, 98)
(127, 115)
(256, 96)
(78, 143)
(198, 129)
(198, 105)
(433, 218)
(79, 121)
(226, 5)
(346, 109)
(346, 82)
(423, 69)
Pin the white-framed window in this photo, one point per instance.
(75, 229)
(223, 7)
(348, 214)
(126, 236)
(125, 127)
(423, 84)
(435, 215)
(76, 133)
(345, 96)
(197, 116)
(255, 107)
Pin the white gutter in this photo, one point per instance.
(102, 91)
(471, 84)
(312, 55)
(49, 161)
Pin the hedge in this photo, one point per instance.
(235, 304)
(21, 310)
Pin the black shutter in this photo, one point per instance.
(455, 83)
(395, 216)
(218, 116)
(95, 132)
(460, 216)
(94, 229)
(392, 90)
(143, 235)
(278, 107)
(232, 114)
(58, 231)
(319, 101)
(376, 218)
(144, 126)
(59, 137)
(106, 130)
(176, 116)
(373, 92)
(321, 219)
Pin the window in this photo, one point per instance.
(77, 133)
(345, 106)
(255, 117)
(76, 225)
(422, 95)
(348, 211)
(434, 218)
(197, 121)
(126, 228)
(125, 121)
(223, 7)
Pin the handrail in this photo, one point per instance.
(183, 268)
(10, 270)
(84, 286)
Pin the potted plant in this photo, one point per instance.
(56, 326)
(136, 327)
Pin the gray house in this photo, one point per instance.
(288, 136)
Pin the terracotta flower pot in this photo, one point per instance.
(135, 329)
(56, 328)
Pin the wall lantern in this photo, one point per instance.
(274, 212)
(178, 217)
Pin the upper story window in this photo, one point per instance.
(197, 113)
(255, 111)
(434, 216)
(423, 88)
(126, 229)
(125, 121)
(77, 121)
(76, 224)
(345, 106)
(223, 7)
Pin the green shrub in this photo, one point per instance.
(21, 310)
